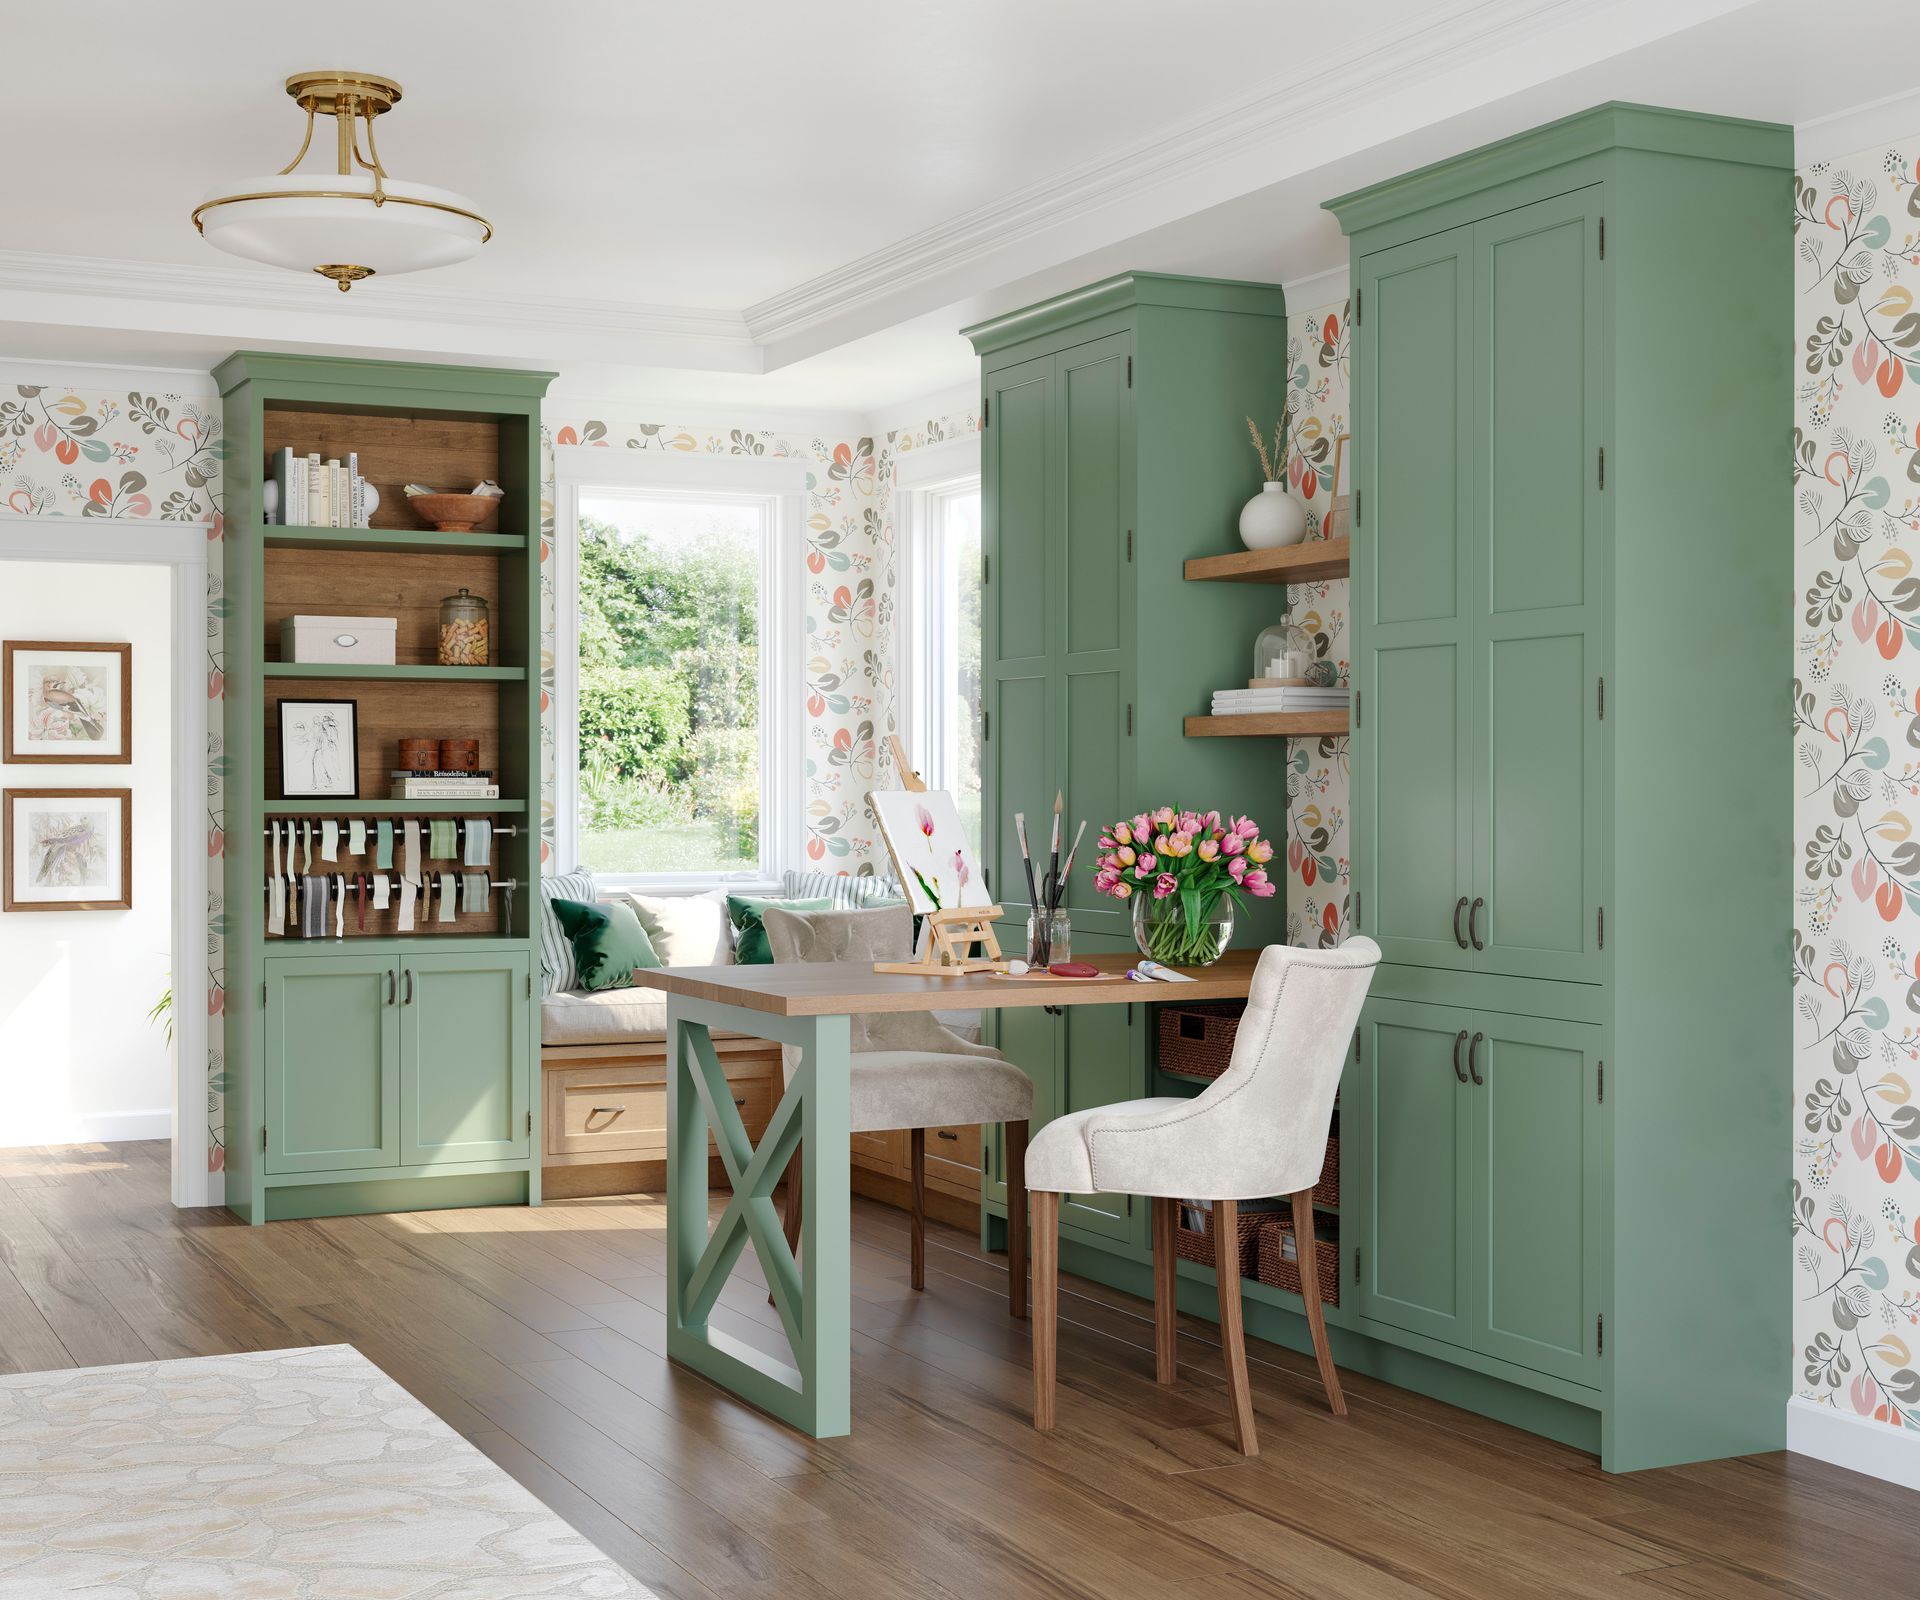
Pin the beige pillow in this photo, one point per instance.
(687, 930)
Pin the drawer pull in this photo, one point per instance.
(946, 1133)
(605, 1111)
(740, 1100)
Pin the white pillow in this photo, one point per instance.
(687, 930)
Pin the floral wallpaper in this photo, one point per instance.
(1856, 716)
(1319, 343)
(132, 455)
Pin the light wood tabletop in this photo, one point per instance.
(829, 988)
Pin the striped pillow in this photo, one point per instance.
(557, 970)
(846, 891)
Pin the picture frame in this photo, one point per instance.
(1339, 520)
(319, 749)
(66, 849)
(66, 702)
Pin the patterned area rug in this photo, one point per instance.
(290, 1474)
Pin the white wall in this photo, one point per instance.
(78, 1059)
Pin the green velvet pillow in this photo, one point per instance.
(608, 941)
(750, 947)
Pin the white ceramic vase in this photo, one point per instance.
(1272, 518)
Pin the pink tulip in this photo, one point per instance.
(1237, 868)
(1208, 849)
(1180, 844)
(1105, 879)
(1122, 834)
(1260, 851)
(1213, 820)
(1148, 862)
(1165, 885)
(1232, 844)
(1124, 856)
(1246, 827)
(1141, 828)
(1257, 883)
(1163, 818)
(1160, 844)
(1121, 891)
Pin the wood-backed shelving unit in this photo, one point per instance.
(381, 1070)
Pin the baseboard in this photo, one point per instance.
(111, 1127)
(1858, 1443)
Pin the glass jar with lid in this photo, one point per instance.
(463, 630)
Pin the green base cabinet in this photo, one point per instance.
(1570, 1113)
(332, 1065)
(464, 1057)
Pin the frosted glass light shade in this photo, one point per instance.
(329, 220)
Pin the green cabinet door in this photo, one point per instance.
(1018, 466)
(1092, 589)
(1103, 1060)
(1030, 1039)
(1536, 1178)
(332, 1061)
(1540, 584)
(1404, 1124)
(465, 1042)
(1413, 782)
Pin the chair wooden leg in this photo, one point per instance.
(917, 1210)
(1306, 1249)
(1045, 1205)
(1166, 1310)
(1016, 1142)
(790, 1208)
(1233, 1338)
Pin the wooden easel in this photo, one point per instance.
(954, 933)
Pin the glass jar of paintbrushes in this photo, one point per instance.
(1049, 929)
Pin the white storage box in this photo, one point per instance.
(367, 639)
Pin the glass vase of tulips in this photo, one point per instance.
(1185, 872)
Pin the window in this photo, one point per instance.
(939, 490)
(675, 767)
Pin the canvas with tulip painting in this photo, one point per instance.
(931, 855)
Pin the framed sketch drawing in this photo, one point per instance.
(67, 849)
(931, 854)
(67, 703)
(319, 749)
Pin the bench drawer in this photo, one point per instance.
(619, 1113)
(953, 1158)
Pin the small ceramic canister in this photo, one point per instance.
(418, 755)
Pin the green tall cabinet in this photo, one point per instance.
(1565, 1135)
(377, 1068)
(1114, 448)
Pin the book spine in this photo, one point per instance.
(441, 791)
(353, 488)
(282, 481)
(313, 490)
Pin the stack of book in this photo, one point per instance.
(442, 786)
(1278, 697)
(321, 494)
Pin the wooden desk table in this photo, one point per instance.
(808, 1005)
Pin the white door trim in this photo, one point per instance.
(181, 546)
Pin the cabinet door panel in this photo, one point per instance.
(1029, 1038)
(1536, 1176)
(1097, 468)
(1018, 764)
(1412, 749)
(1404, 1115)
(332, 1065)
(464, 1051)
(1017, 465)
(1541, 590)
(1103, 1061)
(1097, 759)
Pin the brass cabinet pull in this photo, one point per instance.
(1459, 906)
(1473, 1060)
(1459, 1040)
(946, 1133)
(1473, 923)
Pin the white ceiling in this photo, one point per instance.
(771, 205)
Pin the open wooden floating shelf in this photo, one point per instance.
(1312, 562)
(403, 541)
(393, 808)
(1270, 724)
(402, 673)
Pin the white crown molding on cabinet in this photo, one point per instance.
(1881, 122)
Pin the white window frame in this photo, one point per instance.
(920, 479)
(582, 471)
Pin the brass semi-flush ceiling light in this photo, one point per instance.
(344, 225)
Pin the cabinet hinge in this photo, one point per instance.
(1356, 707)
(1600, 927)
(983, 1160)
(529, 1122)
(986, 726)
(1600, 1334)
(1129, 372)
(1356, 508)
(1129, 1205)
(986, 412)
(1356, 1263)
(1603, 238)
(1600, 1084)
(1129, 719)
(1353, 917)
(1356, 307)
(263, 1136)
(1603, 466)
(263, 991)
(1603, 699)
(1129, 544)
(529, 985)
(986, 566)
(1356, 1045)
(986, 879)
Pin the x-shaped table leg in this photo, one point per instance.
(814, 1308)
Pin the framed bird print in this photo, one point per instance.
(66, 703)
(67, 849)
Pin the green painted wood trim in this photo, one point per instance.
(1614, 125)
(1120, 293)
(421, 1170)
(392, 808)
(366, 1197)
(406, 541)
(274, 369)
(381, 946)
(398, 673)
(1486, 991)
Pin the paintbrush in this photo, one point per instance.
(1026, 858)
(1066, 872)
(1053, 861)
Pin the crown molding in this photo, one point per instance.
(1323, 290)
(1443, 37)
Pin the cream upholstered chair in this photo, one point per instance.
(1259, 1129)
(909, 1071)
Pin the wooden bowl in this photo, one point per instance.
(453, 513)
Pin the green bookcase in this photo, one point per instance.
(379, 1070)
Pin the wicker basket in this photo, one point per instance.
(1327, 1191)
(1272, 1265)
(1191, 1244)
(1197, 1041)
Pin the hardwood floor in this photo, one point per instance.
(538, 1334)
